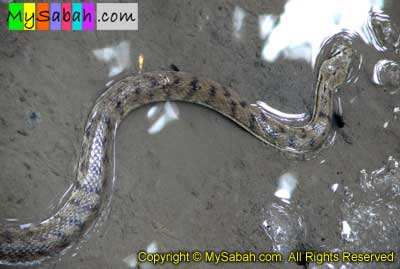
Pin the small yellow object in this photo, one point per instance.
(141, 60)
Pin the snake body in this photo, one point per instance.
(51, 236)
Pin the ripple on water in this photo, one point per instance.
(383, 33)
(386, 73)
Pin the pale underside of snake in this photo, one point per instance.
(49, 237)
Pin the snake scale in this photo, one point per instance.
(24, 245)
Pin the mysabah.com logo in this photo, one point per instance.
(72, 16)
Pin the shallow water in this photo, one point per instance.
(186, 178)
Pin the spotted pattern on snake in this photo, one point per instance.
(95, 168)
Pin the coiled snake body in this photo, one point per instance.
(50, 237)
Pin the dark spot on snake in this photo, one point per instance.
(119, 108)
(153, 82)
(263, 117)
(194, 84)
(150, 95)
(59, 234)
(212, 91)
(252, 122)
(243, 104)
(338, 120)
(106, 119)
(322, 114)
(177, 80)
(97, 170)
(118, 105)
(233, 105)
(43, 252)
(226, 92)
(292, 141)
(174, 67)
(75, 221)
(138, 90)
(312, 142)
(271, 132)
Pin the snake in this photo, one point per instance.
(83, 206)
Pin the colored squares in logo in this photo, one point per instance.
(15, 16)
(88, 16)
(43, 16)
(55, 16)
(66, 17)
(29, 16)
(76, 16)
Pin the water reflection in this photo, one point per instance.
(238, 21)
(266, 24)
(162, 115)
(117, 57)
(286, 185)
(334, 187)
(132, 260)
(298, 36)
(282, 116)
(346, 232)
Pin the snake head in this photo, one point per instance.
(337, 67)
